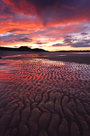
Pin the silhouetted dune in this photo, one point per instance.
(38, 50)
(22, 48)
(6, 49)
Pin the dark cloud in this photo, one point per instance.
(80, 44)
(14, 38)
(57, 45)
(75, 43)
(25, 39)
(67, 41)
(86, 41)
(9, 41)
(10, 35)
(42, 4)
(5, 10)
(57, 10)
(84, 33)
(39, 43)
(14, 30)
(67, 36)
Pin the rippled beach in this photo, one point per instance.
(42, 97)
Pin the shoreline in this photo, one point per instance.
(55, 56)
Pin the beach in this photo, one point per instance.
(78, 57)
(44, 94)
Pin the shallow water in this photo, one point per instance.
(39, 97)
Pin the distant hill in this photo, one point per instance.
(22, 48)
(37, 50)
(25, 48)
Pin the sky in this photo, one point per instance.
(48, 24)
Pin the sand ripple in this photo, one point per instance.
(44, 98)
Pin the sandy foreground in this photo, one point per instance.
(43, 97)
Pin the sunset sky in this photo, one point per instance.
(48, 24)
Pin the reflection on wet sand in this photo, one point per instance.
(39, 97)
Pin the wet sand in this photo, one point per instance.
(9, 53)
(40, 97)
(78, 57)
